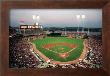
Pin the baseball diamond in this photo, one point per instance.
(61, 49)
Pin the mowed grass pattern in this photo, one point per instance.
(55, 56)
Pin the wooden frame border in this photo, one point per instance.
(48, 4)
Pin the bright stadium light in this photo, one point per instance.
(78, 16)
(38, 17)
(35, 17)
(83, 16)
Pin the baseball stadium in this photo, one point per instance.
(40, 45)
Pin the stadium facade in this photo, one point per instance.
(27, 30)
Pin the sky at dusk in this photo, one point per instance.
(57, 17)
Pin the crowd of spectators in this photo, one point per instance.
(20, 55)
(95, 54)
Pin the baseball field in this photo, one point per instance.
(61, 49)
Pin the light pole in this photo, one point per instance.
(78, 18)
(88, 31)
(83, 18)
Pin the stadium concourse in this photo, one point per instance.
(22, 55)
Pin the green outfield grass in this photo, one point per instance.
(57, 49)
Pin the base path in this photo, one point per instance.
(82, 56)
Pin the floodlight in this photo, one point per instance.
(38, 17)
(83, 16)
(78, 16)
(35, 17)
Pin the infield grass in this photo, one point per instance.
(60, 49)
(54, 54)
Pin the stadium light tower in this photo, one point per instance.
(83, 18)
(88, 31)
(65, 31)
(36, 17)
(78, 17)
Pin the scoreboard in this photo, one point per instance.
(30, 26)
(28, 30)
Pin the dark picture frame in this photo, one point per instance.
(7, 5)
